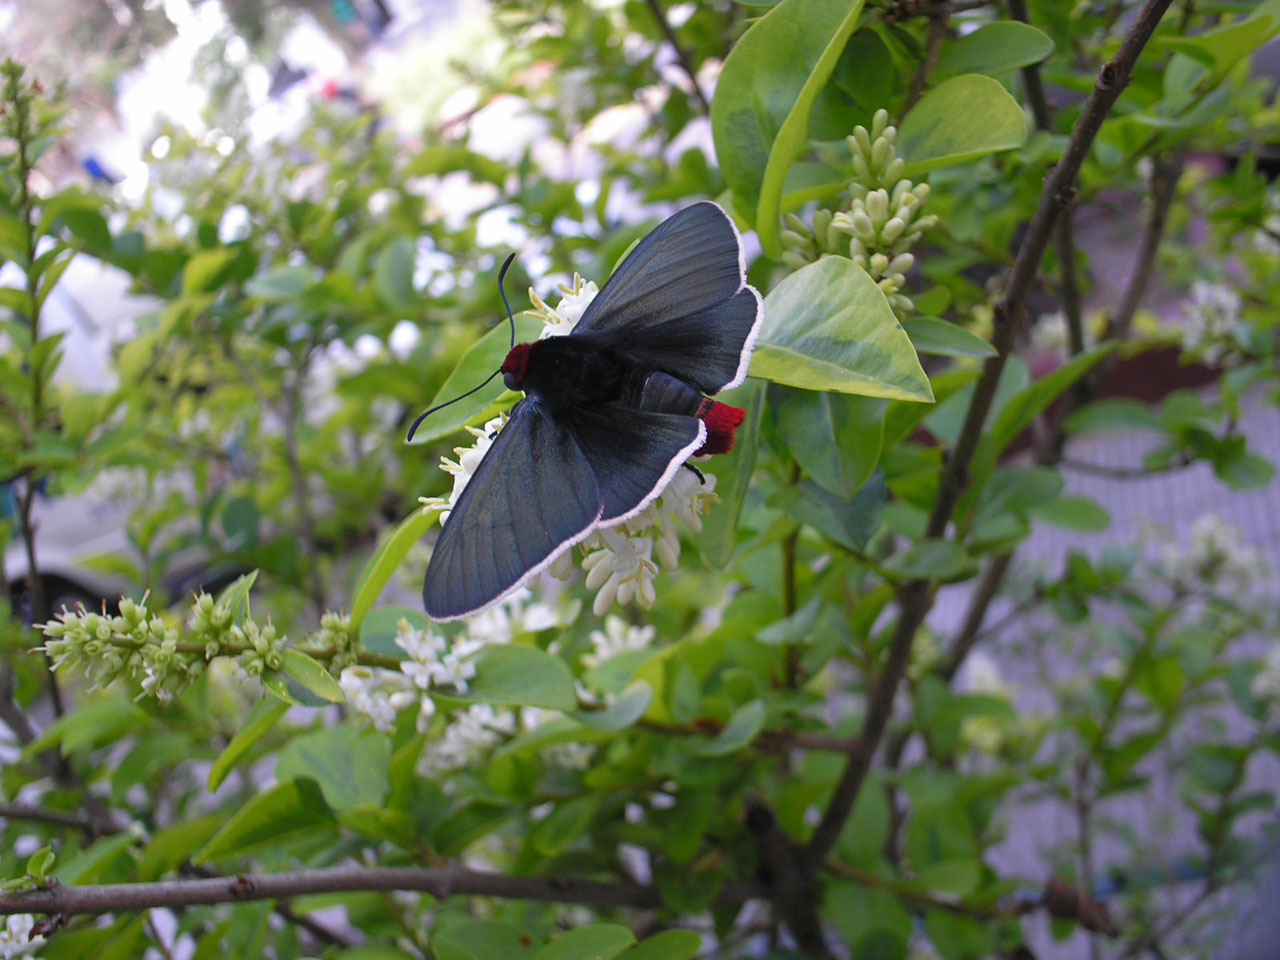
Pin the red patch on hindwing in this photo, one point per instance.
(721, 420)
(517, 362)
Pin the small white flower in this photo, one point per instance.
(983, 676)
(467, 739)
(15, 937)
(1215, 554)
(561, 319)
(1210, 320)
(620, 568)
(465, 466)
(1266, 685)
(617, 637)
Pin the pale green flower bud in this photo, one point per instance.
(878, 263)
(901, 263)
(879, 121)
(863, 228)
(878, 205)
(794, 223)
(861, 142)
(894, 170)
(794, 260)
(892, 229)
(860, 168)
(881, 154)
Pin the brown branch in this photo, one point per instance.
(933, 46)
(681, 56)
(792, 888)
(439, 882)
(57, 818)
(914, 597)
(979, 603)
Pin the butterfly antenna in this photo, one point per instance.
(441, 406)
(502, 276)
(510, 319)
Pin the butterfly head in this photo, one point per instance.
(516, 366)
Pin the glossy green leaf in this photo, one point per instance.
(1023, 407)
(393, 274)
(380, 627)
(1074, 513)
(1114, 413)
(828, 327)
(944, 339)
(308, 672)
(285, 812)
(89, 865)
(379, 567)
(847, 521)
(961, 119)
(281, 284)
(261, 718)
(932, 559)
(481, 940)
(480, 360)
(667, 945)
(766, 90)
(521, 676)
(599, 941)
(349, 762)
(993, 49)
(623, 711)
(835, 437)
(171, 847)
(743, 727)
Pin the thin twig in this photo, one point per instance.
(1126, 473)
(57, 818)
(914, 597)
(439, 882)
(681, 56)
(933, 46)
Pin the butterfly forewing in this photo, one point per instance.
(690, 262)
(533, 493)
(633, 452)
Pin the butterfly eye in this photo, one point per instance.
(509, 378)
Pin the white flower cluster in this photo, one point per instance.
(617, 637)
(1266, 685)
(884, 220)
(1209, 322)
(434, 663)
(468, 738)
(618, 560)
(1215, 555)
(15, 937)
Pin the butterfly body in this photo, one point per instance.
(611, 411)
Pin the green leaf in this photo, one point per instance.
(281, 284)
(481, 940)
(1074, 513)
(623, 711)
(204, 270)
(285, 812)
(828, 327)
(240, 521)
(308, 672)
(963, 118)
(380, 627)
(667, 945)
(19, 301)
(1222, 48)
(993, 49)
(1243, 470)
(261, 718)
(235, 596)
(733, 471)
(1115, 413)
(349, 762)
(173, 846)
(835, 437)
(521, 676)
(393, 274)
(930, 559)
(600, 941)
(480, 360)
(747, 721)
(89, 865)
(944, 339)
(767, 88)
(379, 567)
(551, 836)
(847, 521)
(1023, 407)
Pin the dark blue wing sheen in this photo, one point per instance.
(679, 301)
(532, 494)
(632, 452)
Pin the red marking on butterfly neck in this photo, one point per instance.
(721, 420)
(517, 362)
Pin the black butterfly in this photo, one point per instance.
(610, 411)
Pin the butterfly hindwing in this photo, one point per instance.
(533, 493)
(633, 452)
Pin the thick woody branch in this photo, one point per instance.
(439, 882)
(914, 597)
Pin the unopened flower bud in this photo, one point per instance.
(901, 263)
(879, 121)
(881, 154)
(892, 229)
(878, 205)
